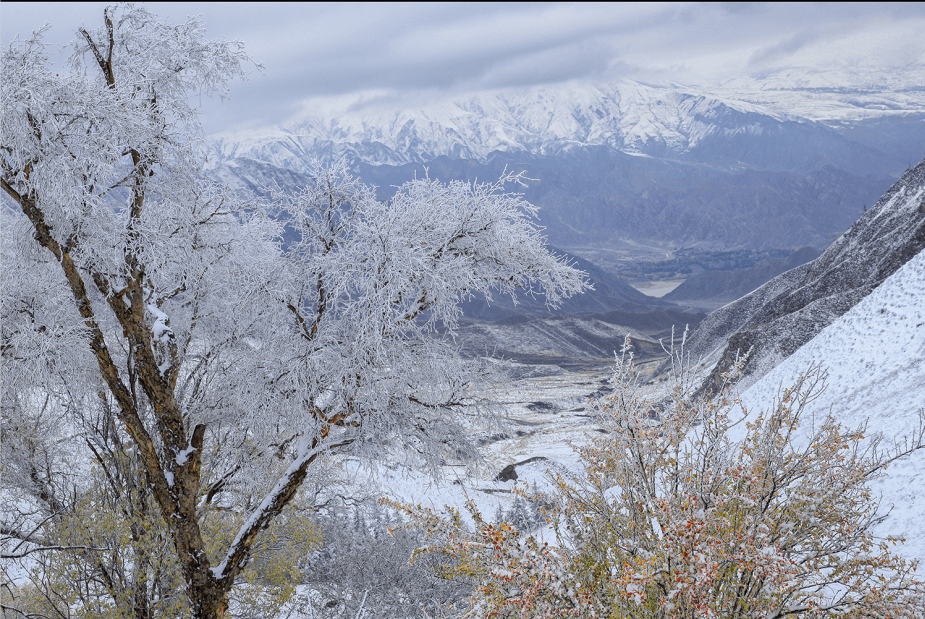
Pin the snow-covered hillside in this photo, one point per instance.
(832, 95)
(875, 359)
(787, 312)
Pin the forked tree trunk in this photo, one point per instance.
(176, 498)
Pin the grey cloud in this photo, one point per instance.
(738, 8)
(406, 52)
(574, 60)
(782, 49)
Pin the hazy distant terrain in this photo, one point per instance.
(646, 183)
(722, 286)
(624, 160)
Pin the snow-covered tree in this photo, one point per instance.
(687, 509)
(146, 305)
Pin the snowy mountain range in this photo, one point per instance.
(832, 95)
(717, 125)
(626, 116)
(786, 159)
(781, 162)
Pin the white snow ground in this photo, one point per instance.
(875, 358)
(543, 416)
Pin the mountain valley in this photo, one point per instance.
(637, 183)
(671, 364)
(776, 202)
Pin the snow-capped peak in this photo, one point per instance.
(632, 117)
(625, 115)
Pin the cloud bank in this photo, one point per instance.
(407, 53)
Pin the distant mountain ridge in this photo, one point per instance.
(589, 340)
(726, 168)
(664, 122)
(832, 95)
(596, 195)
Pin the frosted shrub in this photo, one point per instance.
(364, 553)
(671, 517)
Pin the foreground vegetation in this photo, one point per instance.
(696, 508)
(182, 367)
(175, 351)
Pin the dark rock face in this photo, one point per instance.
(788, 311)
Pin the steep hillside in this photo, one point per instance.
(788, 311)
(722, 287)
(874, 358)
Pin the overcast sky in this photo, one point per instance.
(405, 54)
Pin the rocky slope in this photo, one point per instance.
(788, 311)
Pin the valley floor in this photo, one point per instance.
(544, 419)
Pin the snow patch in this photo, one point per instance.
(184, 455)
(160, 329)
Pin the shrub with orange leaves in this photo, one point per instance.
(689, 508)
